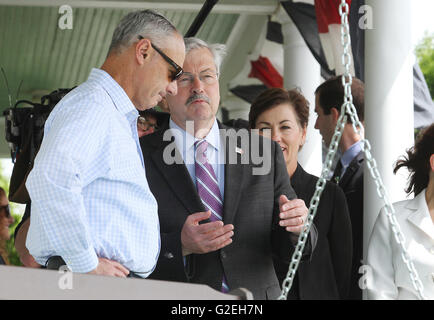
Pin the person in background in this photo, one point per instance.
(6, 220)
(146, 124)
(389, 276)
(348, 174)
(283, 116)
(150, 120)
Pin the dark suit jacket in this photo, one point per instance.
(352, 185)
(327, 274)
(250, 204)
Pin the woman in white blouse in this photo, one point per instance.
(390, 277)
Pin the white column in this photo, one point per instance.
(238, 108)
(244, 43)
(388, 100)
(301, 70)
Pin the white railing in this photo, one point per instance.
(25, 283)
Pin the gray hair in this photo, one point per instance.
(217, 50)
(146, 23)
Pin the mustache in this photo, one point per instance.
(197, 97)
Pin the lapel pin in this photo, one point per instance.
(239, 150)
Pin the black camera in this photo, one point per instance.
(24, 133)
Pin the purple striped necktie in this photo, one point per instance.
(208, 188)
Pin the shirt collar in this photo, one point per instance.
(118, 95)
(213, 137)
(351, 153)
(419, 214)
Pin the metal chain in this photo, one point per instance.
(313, 206)
(348, 106)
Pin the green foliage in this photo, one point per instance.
(425, 56)
(10, 247)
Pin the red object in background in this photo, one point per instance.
(327, 12)
(264, 71)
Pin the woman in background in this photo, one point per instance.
(5, 221)
(390, 278)
(327, 275)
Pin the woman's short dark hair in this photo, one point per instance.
(272, 97)
(418, 161)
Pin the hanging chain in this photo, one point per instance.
(313, 206)
(348, 106)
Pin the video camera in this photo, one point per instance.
(24, 133)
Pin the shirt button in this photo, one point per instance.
(432, 250)
(223, 254)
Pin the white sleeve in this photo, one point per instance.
(68, 153)
(381, 277)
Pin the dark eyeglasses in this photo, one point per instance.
(7, 210)
(178, 70)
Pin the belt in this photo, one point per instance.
(55, 262)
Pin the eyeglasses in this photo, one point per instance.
(206, 77)
(7, 210)
(178, 70)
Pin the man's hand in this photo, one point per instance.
(206, 237)
(110, 268)
(293, 214)
(20, 245)
(28, 261)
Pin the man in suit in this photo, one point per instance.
(348, 173)
(217, 217)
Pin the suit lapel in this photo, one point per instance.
(419, 215)
(233, 179)
(177, 176)
(180, 182)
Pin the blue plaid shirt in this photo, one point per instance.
(90, 196)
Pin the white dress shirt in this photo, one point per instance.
(215, 152)
(90, 196)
